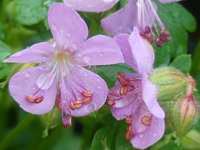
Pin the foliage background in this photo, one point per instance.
(23, 22)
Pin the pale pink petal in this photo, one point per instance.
(122, 40)
(121, 21)
(99, 50)
(91, 5)
(67, 27)
(81, 80)
(142, 52)
(146, 135)
(38, 53)
(150, 94)
(23, 84)
(169, 1)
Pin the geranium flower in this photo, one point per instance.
(60, 78)
(134, 97)
(91, 5)
(140, 13)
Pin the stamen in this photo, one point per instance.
(123, 90)
(129, 133)
(146, 120)
(163, 38)
(122, 79)
(128, 120)
(87, 93)
(34, 99)
(76, 104)
(110, 102)
(146, 34)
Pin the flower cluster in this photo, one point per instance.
(60, 76)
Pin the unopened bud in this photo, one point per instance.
(172, 83)
(183, 115)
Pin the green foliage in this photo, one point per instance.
(183, 63)
(29, 12)
(24, 22)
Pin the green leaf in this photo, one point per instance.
(103, 139)
(183, 63)
(162, 56)
(29, 12)
(4, 50)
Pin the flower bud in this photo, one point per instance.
(183, 114)
(172, 83)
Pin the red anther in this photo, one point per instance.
(87, 93)
(123, 90)
(146, 34)
(76, 104)
(163, 38)
(128, 120)
(86, 100)
(129, 133)
(122, 79)
(146, 120)
(110, 102)
(34, 99)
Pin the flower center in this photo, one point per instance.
(127, 85)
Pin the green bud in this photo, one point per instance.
(171, 82)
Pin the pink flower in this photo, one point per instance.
(140, 13)
(60, 78)
(134, 97)
(91, 5)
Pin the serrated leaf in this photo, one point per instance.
(183, 63)
(29, 12)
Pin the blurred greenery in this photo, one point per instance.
(24, 22)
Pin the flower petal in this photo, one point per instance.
(81, 80)
(67, 27)
(142, 52)
(91, 5)
(169, 1)
(23, 84)
(121, 21)
(38, 53)
(150, 98)
(122, 40)
(99, 50)
(123, 105)
(146, 135)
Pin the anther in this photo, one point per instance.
(110, 102)
(76, 104)
(123, 90)
(146, 34)
(34, 99)
(163, 38)
(129, 133)
(146, 120)
(128, 120)
(122, 79)
(87, 93)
